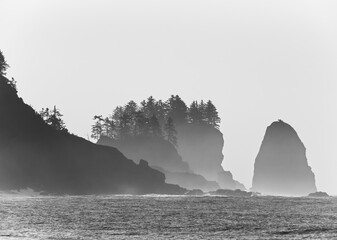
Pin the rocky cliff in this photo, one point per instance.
(163, 156)
(156, 150)
(34, 155)
(281, 166)
(201, 146)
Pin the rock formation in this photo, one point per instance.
(226, 181)
(318, 195)
(189, 180)
(281, 166)
(163, 156)
(157, 151)
(201, 145)
(34, 155)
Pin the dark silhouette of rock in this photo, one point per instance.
(189, 180)
(200, 145)
(163, 156)
(157, 151)
(318, 194)
(34, 155)
(231, 193)
(226, 181)
(281, 166)
(195, 192)
(143, 163)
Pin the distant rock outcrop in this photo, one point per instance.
(226, 181)
(163, 156)
(318, 194)
(189, 180)
(281, 166)
(201, 146)
(157, 151)
(34, 155)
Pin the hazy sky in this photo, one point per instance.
(258, 61)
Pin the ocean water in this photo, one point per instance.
(167, 217)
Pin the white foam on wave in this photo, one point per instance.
(28, 192)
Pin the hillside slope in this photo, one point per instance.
(33, 154)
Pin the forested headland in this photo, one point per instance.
(154, 118)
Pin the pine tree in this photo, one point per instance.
(161, 111)
(116, 116)
(141, 124)
(117, 113)
(212, 115)
(109, 128)
(97, 128)
(155, 128)
(171, 132)
(194, 113)
(177, 109)
(53, 118)
(142, 106)
(130, 109)
(148, 107)
(202, 110)
(124, 126)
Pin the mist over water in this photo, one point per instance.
(163, 217)
(146, 120)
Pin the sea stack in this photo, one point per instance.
(201, 146)
(281, 166)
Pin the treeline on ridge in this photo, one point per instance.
(154, 118)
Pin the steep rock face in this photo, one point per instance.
(226, 181)
(34, 155)
(157, 151)
(163, 156)
(201, 145)
(281, 166)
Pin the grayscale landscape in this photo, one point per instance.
(168, 119)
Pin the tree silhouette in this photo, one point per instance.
(97, 128)
(3, 64)
(141, 124)
(109, 128)
(124, 126)
(116, 116)
(53, 118)
(202, 110)
(161, 111)
(154, 126)
(148, 118)
(177, 109)
(212, 115)
(194, 114)
(130, 109)
(148, 107)
(171, 132)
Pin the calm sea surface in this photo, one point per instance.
(158, 217)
